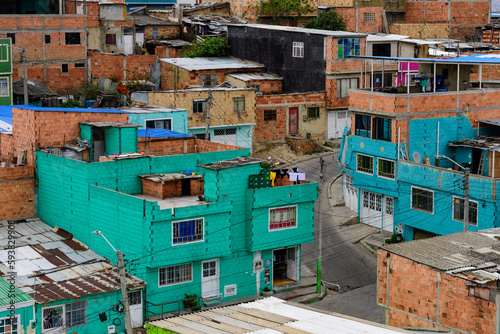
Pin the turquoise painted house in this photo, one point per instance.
(404, 157)
(206, 224)
(59, 285)
(5, 72)
(174, 119)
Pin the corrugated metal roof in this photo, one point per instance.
(161, 133)
(202, 63)
(339, 34)
(152, 109)
(51, 265)
(270, 316)
(385, 38)
(474, 256)
(255, 76)
(5, 290)
(142, 20)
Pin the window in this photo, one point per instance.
(208, 80)
(135, 298)
(256, 87)
(298, 50)
(187, 231)
(458, 210)
(53, 317)
(362, 126)
(382, 128)
(281, 218)
(64, 68)
(75, 314)
(79, 64)
(230, 290)
(343, 86)
(422, 199)
(159, 124)
(199, 136)
(9, 326)
(239, 103)
(4, 88)
(270, 115)
(110, 39)
(369, 17)
(383, 49)
(199, 106)
(385, 168)
(175, 274)
(225, 132)
(155, 33)
(365, 164)
(377, 80)
(312, 112)
(12, 36)
(47, 39)
(349, 47)
(72, 38)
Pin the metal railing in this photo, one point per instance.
(180, 306)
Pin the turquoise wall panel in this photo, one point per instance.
(179, 119)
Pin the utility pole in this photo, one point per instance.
(123, 284)
(207, 127)
(466, 199)
(320, 226)
(25, 76)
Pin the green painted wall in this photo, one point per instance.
(6, 70)
(97, 196)
(179, 119)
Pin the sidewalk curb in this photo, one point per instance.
(330, 189)
(317, 298)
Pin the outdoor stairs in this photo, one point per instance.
(213, 301)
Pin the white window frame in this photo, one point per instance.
(386, 177)
(84, 312)
(45, 330)
(461, 220)
(269, 229)
(369, 17)
(298, 50)
(7, 48)
(177, 283)
(411, 200)
(18, 319)
(373, 164)
(204, 105)
(8, 85)
(188, 242)
(159, 119)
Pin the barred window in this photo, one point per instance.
(365, 164)
(459, 208)
(422, 199)
(175, 274)
(386, 168)
(208, 80)
(187, 231)
(281, 218)
(298, 50)
(369, 17)
(75, 314)
(313, 112)
(270, 115)
(73, 38)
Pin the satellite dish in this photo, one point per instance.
(416, 157)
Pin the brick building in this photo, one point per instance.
(447, 283)
(396, 156)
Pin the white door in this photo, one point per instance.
(225, 136)
(389, 214)
(343, 119)
(292, 269)
(350, 193)
(210, 279)
(135, 302)
(128, 41)
(331, 125)
(371, 209)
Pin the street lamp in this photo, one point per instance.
(123, 284)
(25, 75)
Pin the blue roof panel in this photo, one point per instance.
(474, 59)
(5, 119)
(161, 133)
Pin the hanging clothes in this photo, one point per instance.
(272, 176)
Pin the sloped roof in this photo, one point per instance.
(210, 63)
(142, 20)
(51, 265)
(35, 88)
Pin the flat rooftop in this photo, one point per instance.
(210, 63)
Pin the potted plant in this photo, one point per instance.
(191, 302)
(267, 292)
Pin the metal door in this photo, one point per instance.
(210, 279)
(293, 121)
(135, 302)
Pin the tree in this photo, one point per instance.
(278, 9)
(330, 20)
(210, 47)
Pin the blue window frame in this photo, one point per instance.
(155, 33)
(363, 126)
(187, 231)
(348, 47)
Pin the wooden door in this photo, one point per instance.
(293, 121)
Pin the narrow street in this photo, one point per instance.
(345, 261)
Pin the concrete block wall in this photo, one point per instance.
(420, 30)
(419, 296)
(17, 192)
(172, 31)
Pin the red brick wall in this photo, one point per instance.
(50, 128)
(176, 146)
(17, 192)
(171, 188)
(203, 146)
(349, 15)
(416, 293)
(108, 65)
(92, 11)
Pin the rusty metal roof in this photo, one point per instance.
(488, 143)
(50, 265)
